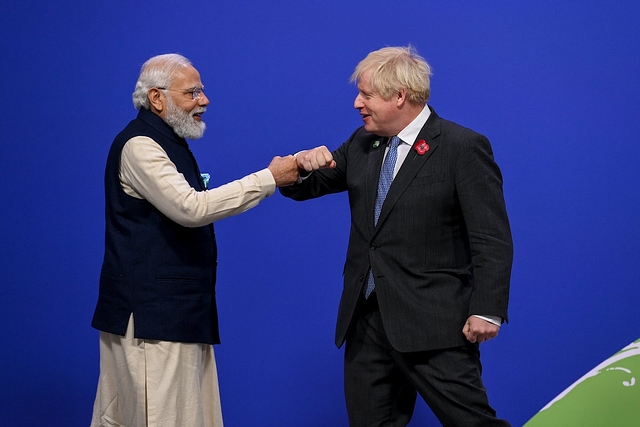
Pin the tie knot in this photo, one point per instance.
(395, 141)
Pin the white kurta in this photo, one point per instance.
(150, 383)
(155, 383)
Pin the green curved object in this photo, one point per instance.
(608, 395)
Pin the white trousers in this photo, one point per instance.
(148, 383)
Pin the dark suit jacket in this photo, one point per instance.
(442, 248)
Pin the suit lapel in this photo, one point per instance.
(410, 167)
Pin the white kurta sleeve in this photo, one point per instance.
(146, 172)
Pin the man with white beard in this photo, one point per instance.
(156, 309)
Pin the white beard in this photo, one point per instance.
(183, 123)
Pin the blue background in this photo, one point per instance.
(554, 85)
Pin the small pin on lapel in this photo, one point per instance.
(376, 144)
(421, 147)
(205, 180)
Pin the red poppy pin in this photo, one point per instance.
(421, 147)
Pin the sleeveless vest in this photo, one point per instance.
(158, 270)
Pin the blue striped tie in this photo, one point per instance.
(386, 176)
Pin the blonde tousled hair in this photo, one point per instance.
(394, 68)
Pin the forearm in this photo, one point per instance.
(191, 208)
(147, 173)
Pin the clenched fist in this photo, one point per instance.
(284, 170)
(314, 159)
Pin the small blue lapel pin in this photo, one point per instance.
(205, 179)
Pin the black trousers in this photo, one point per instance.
(381, 384)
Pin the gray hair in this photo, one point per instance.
(158, 71)
(394, 68)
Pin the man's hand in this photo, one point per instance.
(314, 159)
(284, 170)
(479, 330)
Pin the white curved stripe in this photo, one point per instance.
(632, 349)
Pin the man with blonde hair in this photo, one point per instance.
(156, 308)
(426, 279)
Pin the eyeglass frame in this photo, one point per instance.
(195, 92)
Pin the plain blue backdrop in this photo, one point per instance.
(554, 85)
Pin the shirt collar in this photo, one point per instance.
(409, 134)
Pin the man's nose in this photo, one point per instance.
(357, 103)
(203, 100)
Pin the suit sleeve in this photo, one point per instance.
(323, 181)
(479, 189)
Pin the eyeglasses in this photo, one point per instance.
(195, 92)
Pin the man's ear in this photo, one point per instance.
(157, 100)
(401, 97)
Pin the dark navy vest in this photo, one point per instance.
(158, 270)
